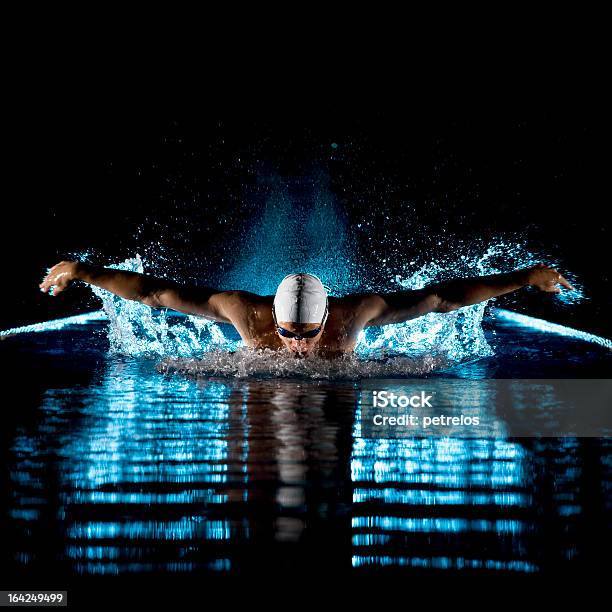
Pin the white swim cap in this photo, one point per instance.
(300, 298)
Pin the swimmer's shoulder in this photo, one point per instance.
(258, 311)
(243, 299)
(245, 309)
(251, 315)
(262, 304)
(355, 307)
(348, 316)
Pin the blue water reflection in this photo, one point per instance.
(134, 471)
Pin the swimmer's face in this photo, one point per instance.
(304, 346)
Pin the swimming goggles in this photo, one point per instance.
(313, 333)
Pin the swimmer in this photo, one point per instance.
(300, 317)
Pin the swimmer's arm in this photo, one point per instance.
(155, 292)
(385, 309)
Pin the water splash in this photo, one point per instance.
(137, 330)
(455, 336)
(266, 363)
(303, 228)
(197, 346)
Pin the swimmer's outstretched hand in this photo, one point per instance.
(59, 277)
(546, 279)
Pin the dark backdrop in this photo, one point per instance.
(115, 182)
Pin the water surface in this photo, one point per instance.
(112, 467)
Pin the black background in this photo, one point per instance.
(114, 180)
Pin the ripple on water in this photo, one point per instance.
(266, 363)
